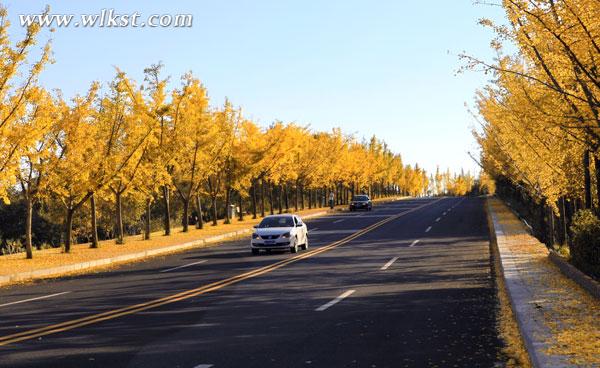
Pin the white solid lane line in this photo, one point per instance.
(203, 366)
(438, 219)
(187, 265)
(335, 301)
(337, 221)
(390, 262)
(32, 299)
(427, 230)
(414, 243)
(313, 229)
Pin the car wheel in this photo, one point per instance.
(305, 245)
(255, 252)
(294, 248)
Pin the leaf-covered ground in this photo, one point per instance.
(572, 315)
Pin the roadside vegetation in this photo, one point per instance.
(539, 130)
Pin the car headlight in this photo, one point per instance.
(255, 236)
(286, 235)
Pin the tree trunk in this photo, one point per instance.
(280, 198)
(240, 203)
(68, 229)
(550, 237)
(254, 199)
(167, 214)
(597, 172)
(296, 197)
(28, 220)
(227, 205)
(186, 214)
(271, 197)
(94, 222)
(262, 198)
(214, 210)
(587, 179)
(147, 219)
(287, 198)
(200, 223)
(119, 218)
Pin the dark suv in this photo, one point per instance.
(361, 202)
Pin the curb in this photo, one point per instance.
(528, 318)
(62, 270)
(589, 284)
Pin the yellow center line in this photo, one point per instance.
(115, 313)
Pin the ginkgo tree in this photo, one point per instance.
(18, 88)
(539, 117)
(37, 125)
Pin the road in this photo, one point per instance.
(406, 285)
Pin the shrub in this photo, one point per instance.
(585, 249)
(12, 246)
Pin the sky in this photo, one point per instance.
(384, 68)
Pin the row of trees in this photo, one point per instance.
(541, 123)
(125, 151)
(444, 183)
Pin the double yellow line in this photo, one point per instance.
(115, 313)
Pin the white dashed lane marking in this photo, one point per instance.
(32, 299)
(389, 263)
(335, 301)
(184, 266)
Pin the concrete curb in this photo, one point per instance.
(589, 284)
(529, 318)
(62, 270)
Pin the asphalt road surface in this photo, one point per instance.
(406, 285)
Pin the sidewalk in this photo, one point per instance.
(53, 262)
(558, 320)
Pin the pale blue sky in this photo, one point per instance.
(378, 67)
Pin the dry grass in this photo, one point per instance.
(572, 315)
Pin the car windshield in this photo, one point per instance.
(276, 221)
(360, 199)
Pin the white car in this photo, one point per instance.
(279, 232)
